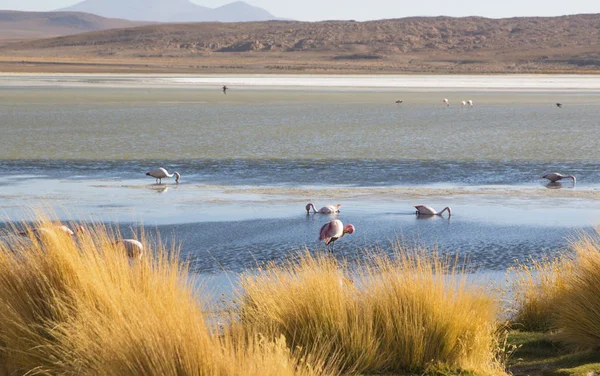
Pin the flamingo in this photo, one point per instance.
(445, 100)
(134, 248)
(463, 103)
(555, 176)
(470, 102)
(398, 102)
(329, 209)
(559, 105)
(428, 210)
(51, 230)
(334, 230)
(225, 89)
(161, 173)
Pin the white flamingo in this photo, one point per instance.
(470, 102)
(62, 229)
(445, 100)
(328, 209)
(134, 249)
(555, 176)
(161, 173)
(463, 103)
(428, 210)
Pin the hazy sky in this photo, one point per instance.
(312, 10)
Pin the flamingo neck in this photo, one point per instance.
(571, 177)
(446, 209)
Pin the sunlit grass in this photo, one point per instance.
(78, 305)
(409, 312)
(536, 288)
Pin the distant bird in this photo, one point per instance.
(398, 102)
(464, 103)
(445, 100)
(559, 105)
(329, 209)
(62, 229)
(555, 176)
(428, 210)
(134, 249)
(161, 173)
(470, 102)
(225, 89)
(334, 230)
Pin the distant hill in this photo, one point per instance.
(418, 44)
(16, 26)
(171, 11)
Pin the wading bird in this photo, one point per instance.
(161, 173)
(62, 229)
(428, 210)
(445, 100)
(225, 89)
(398, 102)
(555, 176)
(464, 103)
(134, 248)
(329, 209)
(334, 230)
(559, 105)
(470, 102)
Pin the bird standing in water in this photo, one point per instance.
(334, 230)
(161, 173)
(328, 209)
(556, 176)
(225, 89)
(428, 210)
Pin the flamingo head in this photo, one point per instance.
(80, 230)
(349, 229)
(177, 176)
(337, 207)
(308, 208)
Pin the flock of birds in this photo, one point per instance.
(463, 103)
(330, 232)
(335, 229)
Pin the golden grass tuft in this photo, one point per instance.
(80, 306)
(537, 287)
(408, 312)
(578, 311)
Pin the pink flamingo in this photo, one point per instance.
(555, 176)
(329, 209)
(334, 230)
(445, 100)
(428, 210)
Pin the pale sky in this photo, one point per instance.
(360, 10)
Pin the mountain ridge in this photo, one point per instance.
(171, 11)
(17, 25)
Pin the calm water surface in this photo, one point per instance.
(251, 159)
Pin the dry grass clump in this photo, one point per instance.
(578, 310)
(409, 312)
(537, 287)
(79, 306)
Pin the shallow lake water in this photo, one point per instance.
(251, 160)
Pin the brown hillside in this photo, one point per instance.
(472, 44)
(15, 26)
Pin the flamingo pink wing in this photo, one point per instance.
(325, 232)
